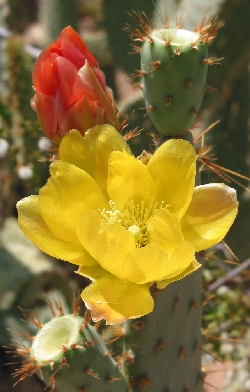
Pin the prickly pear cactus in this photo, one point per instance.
(117, 15)
(54, 15)
(70, 356)
(162, 350)
(174, 64)
(174, 68)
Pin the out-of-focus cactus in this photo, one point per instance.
(54, 16)
(231, 105)
(20, 127)
(231, 137)
(25, 275)
(21, 13)
(117, 15)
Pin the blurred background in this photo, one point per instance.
(27, 26)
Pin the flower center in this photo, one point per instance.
(133, 218)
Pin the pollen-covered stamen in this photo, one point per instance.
(133, 218)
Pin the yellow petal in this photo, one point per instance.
(129, 179)
(164, 229)
(180, 259)
(191, 268)
(34, 227)
(147, 264)
(115, 243)
(173, 168)
(87, 229)
(151, 263)
(210, 215)
(116, 300)
(91, 272)
(91, 153)
(68, 193)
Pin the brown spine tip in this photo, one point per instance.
(135, 33)
(59, 308)
(211, 89)
(31, 317)
(64, 362)
(193, 111)
(137, 49)
(168, 100)
(89, 371)
(111, 379)
(88, 343)
(177, 302)
(141, 73)
(75, 345)
(168, 42)
(193, 45)
(87, 317)
(64, 348)
(160, 345)
(150, 108)
(179, 19)
(51, 364)
(188, 84)
(137, 86)
(145, 26)
(194, 304)
(138, 325)
(153, 289)
(81, 328)
(76, 305)
(52, 382)
(208, 28)
(23, 352)
(144, 381)
(150, 39)
(128, 358)
(155, 64)
(131, 134)
(212, 61)
(177, 52)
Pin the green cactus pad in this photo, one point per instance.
(161, 350)
(71, 357)
(174, 78)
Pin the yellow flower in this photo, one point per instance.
(124, 223)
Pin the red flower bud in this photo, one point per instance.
(70, 88)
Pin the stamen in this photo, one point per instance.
(133, 218)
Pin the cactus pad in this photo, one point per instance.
(174, 78)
